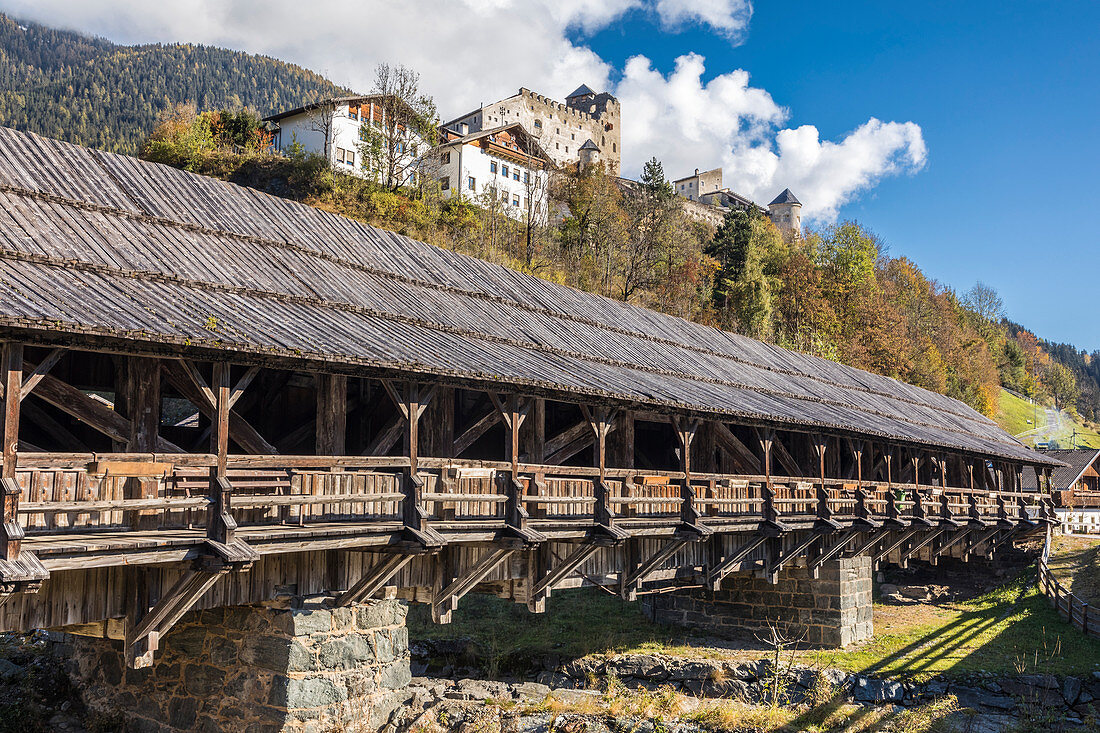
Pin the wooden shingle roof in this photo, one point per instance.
(1075, 461)
(97, 247)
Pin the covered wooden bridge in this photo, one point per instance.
(201, 380)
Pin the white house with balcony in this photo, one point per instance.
(333, 128)
(502, 168)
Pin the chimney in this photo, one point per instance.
(696, 171)
(463, 128)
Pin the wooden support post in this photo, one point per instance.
(219, 436)
(142, 389)
(823, 510)
(543, 586)
(12, 366)
(689, 511)
(332, 414)
(11, 362)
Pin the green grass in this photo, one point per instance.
(1011, 630)
(1013, 414)
(1075, 562)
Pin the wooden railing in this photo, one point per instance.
(1070, 607)
(67, 493)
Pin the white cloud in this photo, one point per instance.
(728, 17)
(470, 52)
(688, 123)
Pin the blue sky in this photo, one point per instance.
(1007, 97)
(962, 133)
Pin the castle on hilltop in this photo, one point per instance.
(563, 130)
(785, 210)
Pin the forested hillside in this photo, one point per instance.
(94, 92)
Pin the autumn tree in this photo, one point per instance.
(404, 127)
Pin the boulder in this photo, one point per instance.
(1071, 690)
(872, 690)
(10, 670)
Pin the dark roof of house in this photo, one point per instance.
(1076, 462)
(581, 91)
(589, 145)
(785, 198)
(105, 250)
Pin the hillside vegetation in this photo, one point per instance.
(835, 293)
(93, 92)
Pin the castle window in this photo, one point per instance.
(471, 183)
(515, 200)
(445, 183)
(526, 177)
(567, 148)
(572, 136)
(445, 158)
(613, 148)
(515, 174)
(504, 170)
(493, 167)
(538, 124)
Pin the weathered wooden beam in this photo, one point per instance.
(447, 599)
(471, 434)
(330, 435)
(716, 574)
(219, 438)
(374, 579)
(189, 383)
(579, 432)
(40, 371)
(143, 639)
(11, 371)
(543, 586)
(741, 454)
(631, 581)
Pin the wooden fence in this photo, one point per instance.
(1079, 613)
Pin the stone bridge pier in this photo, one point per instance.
(255, 669)
(831, 610)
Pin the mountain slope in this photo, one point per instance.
(93, 92)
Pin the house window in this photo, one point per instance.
(445, 183)
(613, 147)
(493, 166)
(573, 136)
(515, 174)
(526, 177)
(445, 158)
(515, 200)
(471, 183)
(504, 170)
(567, 148)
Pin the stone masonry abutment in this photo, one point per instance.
(257, 669)
(832, 610)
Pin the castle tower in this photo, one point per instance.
(785, 211)
(589, 154)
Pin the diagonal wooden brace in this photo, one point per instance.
(633, 580)
(955, 539)
(980, 539)
(447, 599)
(541, 588)
(832, 550)
(797, 550)
(924, 542)
(374, 579)
(728, 564)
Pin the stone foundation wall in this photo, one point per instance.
(257, 669)
(833, 610)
